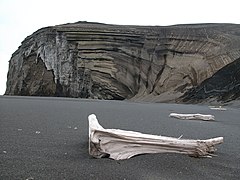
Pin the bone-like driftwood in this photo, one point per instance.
(193, 116)
(120, 144)
(220, 108)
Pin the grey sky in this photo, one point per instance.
(20, 18)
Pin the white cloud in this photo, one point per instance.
(19, 19)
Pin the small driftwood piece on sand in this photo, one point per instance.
(193, 116)
(220, 108)
(120, 144)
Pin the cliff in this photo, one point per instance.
(223, 86)
(144, 63)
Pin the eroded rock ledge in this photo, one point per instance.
(92, 60)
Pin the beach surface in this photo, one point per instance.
(47, 138)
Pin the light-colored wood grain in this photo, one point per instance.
(120, 144)
(193, 116)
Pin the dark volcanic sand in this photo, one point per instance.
(60, 151)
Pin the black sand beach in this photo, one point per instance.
(47, 138)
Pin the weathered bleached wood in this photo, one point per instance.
(193, 116)
(120, 144)
(220, 108)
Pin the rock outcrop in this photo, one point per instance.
(223, 86)
(92, 60)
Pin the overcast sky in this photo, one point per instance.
(20, 18)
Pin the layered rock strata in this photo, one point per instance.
(92, 60)
(223, 86)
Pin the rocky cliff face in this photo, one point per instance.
(92, 60)
(223, 86)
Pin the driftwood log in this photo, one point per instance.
(193, 116)
(120, 144)
(220, 108)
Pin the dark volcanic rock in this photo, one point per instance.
(92, 60)
(223, 86)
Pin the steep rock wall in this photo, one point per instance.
(223, 86)
(92, 60)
